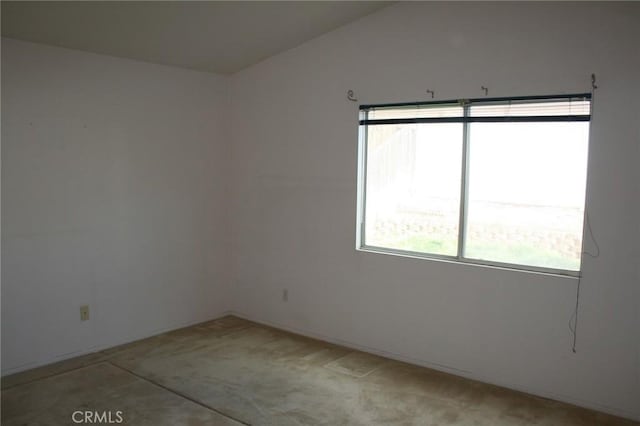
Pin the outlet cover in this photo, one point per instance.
(84, 312)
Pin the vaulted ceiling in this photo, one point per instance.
(216, 36)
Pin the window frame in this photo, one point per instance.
(465, 120)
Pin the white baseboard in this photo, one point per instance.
(444, 368)
(98, 348)
(319, 336)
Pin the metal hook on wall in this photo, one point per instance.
(593, 82)
(351, 96)
(432, 93)
(486, 90)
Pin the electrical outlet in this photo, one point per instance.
(84, 312)
(285, 295)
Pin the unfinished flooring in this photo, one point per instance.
(233, 372)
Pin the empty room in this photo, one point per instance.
(320, 213)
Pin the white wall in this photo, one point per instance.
(294, 197)
(115, 185)
(114, 189)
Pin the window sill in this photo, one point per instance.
(472, 262)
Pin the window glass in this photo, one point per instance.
(526, 193)
(413, 187)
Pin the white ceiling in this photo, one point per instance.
(221, 37)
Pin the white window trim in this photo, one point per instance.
(459, 258)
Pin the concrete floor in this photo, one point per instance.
(233, 372)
